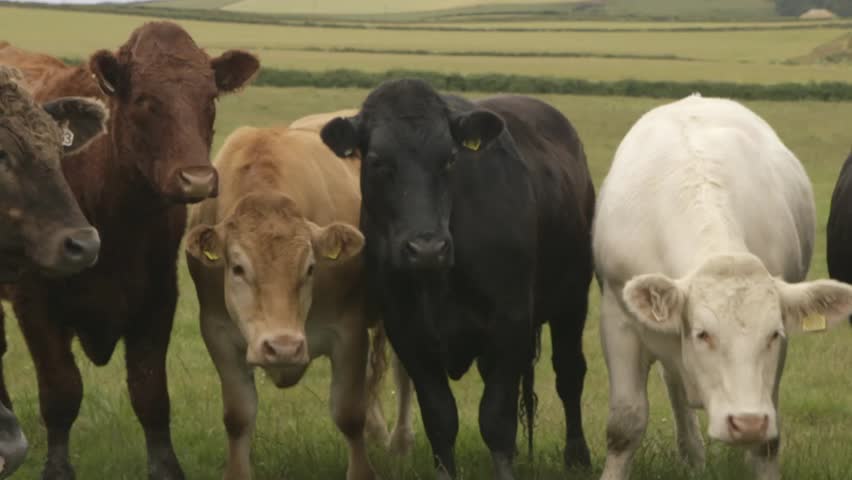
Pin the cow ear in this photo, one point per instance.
(656, 301)
(336, 242)
(206, 244)
(81, 120)
(814, 306)
(234, 69)
(475, 130)
(109, 73)
(341, 136)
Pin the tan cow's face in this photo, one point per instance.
(733, 320)
(271, 255)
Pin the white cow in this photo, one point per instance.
(703, 220)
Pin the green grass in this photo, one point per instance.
(295, 436)
(741, 56)
(715, 9)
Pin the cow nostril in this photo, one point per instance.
(413, 247)
(73, 248)
(732, 424)
(268, 349)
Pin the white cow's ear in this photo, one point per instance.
(814, 306)
(656, 301)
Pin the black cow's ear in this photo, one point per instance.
(341, 136)
(475, 130)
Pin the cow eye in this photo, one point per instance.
(238, 271)
(3, 156)
(775, 336)
(703, 336)
(310, 270)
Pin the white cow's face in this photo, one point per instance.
(733, 318)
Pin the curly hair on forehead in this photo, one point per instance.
(23, 117)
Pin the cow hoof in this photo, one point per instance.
(58, 471)
(401, 441)
(577, 454)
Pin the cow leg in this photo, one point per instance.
(145, 358)
(4, 393)
(437, 404)
(350, 399)
(498, 409)
(569, 363)
(59, 384)
(239, 395)
(628, 366)
(402, 438)
(689, 441)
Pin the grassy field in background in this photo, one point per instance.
(708, 9)
(742, 56)
(296, 438)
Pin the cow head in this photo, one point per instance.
(162, 91)
(410, 140)
(40, 220)
(271, 256)
(733, 319)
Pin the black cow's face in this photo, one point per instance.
(410, 142)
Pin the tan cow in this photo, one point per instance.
(277, 267)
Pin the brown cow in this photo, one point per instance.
(41, 225)
(131, 184)
(277, 267)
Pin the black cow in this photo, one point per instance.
(839, 230)
(477, 221)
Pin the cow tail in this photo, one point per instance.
(529, 400)
(377, 362)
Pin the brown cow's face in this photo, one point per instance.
(271, 256)
(164, 90)
(40, 221)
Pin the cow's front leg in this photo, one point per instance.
(628, 368)
(498, 409)
(239, 394)
(349, 397)
(146, 346)
(60, 387)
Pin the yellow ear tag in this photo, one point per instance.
(211, 256)
(334, 253)
(472, 144)
(813, 323)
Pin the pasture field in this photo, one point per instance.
(297, 440)
(740, 56)
(706, 9)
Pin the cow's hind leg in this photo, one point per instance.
(689, 441)
(628, 367)
(402, 438)
(569, 363)
(146, 347)
(59, 383)
(349, 399)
